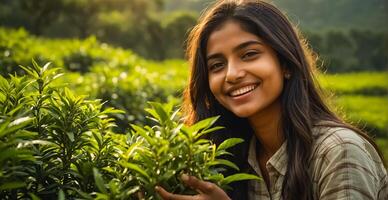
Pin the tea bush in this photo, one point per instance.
(55, 130)
(18, 47)
(374, 119)
(361, 83)
(362, 98)
(56, 144)
(116, 76)
(126, 90)
(126, 81)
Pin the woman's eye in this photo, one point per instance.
(249, 55)
(216, 66)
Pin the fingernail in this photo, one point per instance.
(157, 188)
(184, 177)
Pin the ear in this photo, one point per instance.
(287, 75)
(286, 72)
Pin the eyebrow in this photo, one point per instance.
(237, 48)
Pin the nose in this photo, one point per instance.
(234, 73)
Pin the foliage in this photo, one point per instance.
(60, 130)
(126, 81)
(74, 55)
(56, 144)
(14, 140)
(14, 135)
(177, 29)
(116, 76)
(314, 14)
(156, 29)
(134, 24)
(361, 98)
(361, 83)
(350, 50)
(374, 119)
(383, 144)
(159, 154)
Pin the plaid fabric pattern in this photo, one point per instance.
(343, 165)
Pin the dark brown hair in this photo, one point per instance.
(301, 100)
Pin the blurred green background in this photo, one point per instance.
(127, 52)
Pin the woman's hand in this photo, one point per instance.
(207, 190)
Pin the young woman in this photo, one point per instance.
(250, 67)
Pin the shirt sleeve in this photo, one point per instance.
(348, 170)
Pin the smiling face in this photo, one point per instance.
(244, 73)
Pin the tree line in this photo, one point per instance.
(352, 50)
(154, 32)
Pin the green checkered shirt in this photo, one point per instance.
(343, 165)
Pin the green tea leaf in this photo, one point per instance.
(70, 135)
(224, 162)
(135, 168)
(204, 124)
(33, 196)
(17, 124)
(12, 185)
(210, 130)
(99, 181)
(61, 195)
(30, 72)
(239, 177)
(215, 177)
(139, 130)
(132, 190)
(222, 152)
(45, 67)
(229, 143)
(162, 114)
(83, 194)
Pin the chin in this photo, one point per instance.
(243, 113)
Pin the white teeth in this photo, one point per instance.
(242, 90)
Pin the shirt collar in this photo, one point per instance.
(278, 161)
(252, 158)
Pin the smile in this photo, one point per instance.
(243, 90)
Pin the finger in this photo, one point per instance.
(163, 193)
(195, 183)
(140, 195)
(169, 196)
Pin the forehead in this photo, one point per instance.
(228, 35)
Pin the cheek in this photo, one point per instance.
(212, 86)
(277, 86)
(275, 80)
(215, 85)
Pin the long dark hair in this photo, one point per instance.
(301, 100)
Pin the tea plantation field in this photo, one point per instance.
(65, 126)
(126, 81)
(361, 97)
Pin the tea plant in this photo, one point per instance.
(159, 154)
(55, 144)
(14, 137)
(14, 154)
(50, 138)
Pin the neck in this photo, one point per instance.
(268, 128)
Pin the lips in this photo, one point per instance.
(242, 90)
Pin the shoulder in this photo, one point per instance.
(331, 142)
(341, 158)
